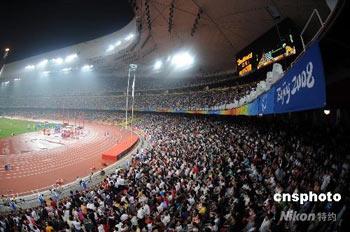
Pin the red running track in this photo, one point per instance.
(41, 169)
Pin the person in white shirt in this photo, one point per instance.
(65, 216)
(165, 219)
(35, 216)
(134, 221)
(266, 224)
(77, 225)
(100, 228)
(91, 206)
(140, 213)
(146, 209)
(124, 217)
(68, 204)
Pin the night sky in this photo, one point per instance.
(31, 27)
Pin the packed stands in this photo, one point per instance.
(210, 172)
(198, 97)
(204, 174)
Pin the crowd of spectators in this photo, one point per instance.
(194, 99)
(206, 174)
(106, 117)
(108, 93)
(101, 85)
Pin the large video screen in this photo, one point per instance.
(275, 45)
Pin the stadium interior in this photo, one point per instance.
(190, 117)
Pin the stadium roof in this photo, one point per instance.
(163, 27)
(224, 28)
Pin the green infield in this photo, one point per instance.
(8, 127)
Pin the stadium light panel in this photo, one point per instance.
(87, 68)
(66, 70)
(110, 48)
(29, 67)
(57, 60)
(46, 73)
(42, 63)
(129, 37)
(182, 60)
(71, 57)
(118, 43)
(158, 65)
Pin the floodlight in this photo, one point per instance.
(87, 68)
(66, 69)
(110, 48)
(129, 37)
(7, 49)
(157, 65)
(182, 60)
(42, 63)
(71, 57)
(46, 73)
(29, 67)
(57, 60)
(326, 112)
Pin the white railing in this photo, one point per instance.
(314, 12)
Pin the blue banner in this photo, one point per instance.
(303, 86)
(266, 102)
(254, 107)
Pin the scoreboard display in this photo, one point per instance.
(275, 45)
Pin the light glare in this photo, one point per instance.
(110, 48)
(42, 63)
(71, 57)
(182, 60)
(29, 67)
(57, 61)
(46, 73)
(157, 65)
(87, 68)
(129, 37)
(66, 69)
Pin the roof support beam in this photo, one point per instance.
(196, 21)
(171, 16)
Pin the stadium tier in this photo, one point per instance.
(207, 173)
(218, 116)
(186, 99)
